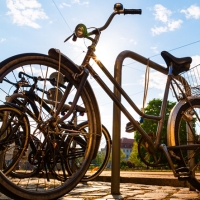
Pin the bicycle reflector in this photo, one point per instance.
(56, 76)
(54, 94)
(81, 31)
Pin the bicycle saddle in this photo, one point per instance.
(179, 64)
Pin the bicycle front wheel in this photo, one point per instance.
(187, 132)
(23, 70)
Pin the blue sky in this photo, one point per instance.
(36, 26)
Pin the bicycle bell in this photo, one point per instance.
(118, 6)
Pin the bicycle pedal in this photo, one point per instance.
(182, 169)
(184, 173)
(130, 127)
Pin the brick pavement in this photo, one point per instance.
(139, 186)
(129, 191)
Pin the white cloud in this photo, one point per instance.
(192, 12)
(64, 5)
(133, 41)
(172, 25)
(157, 80)
(159, 30)
(2, 40)
(163, 15)
(80, 2)
(155, 50)
(25, 12)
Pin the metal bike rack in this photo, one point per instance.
(116, 135)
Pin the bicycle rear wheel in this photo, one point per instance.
(74, 148)
(187, 132)
(44, 185)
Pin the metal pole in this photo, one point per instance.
(115, 173)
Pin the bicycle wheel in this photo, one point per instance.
(14, 137)
(187, 132)
(74, 149)
(45, 185)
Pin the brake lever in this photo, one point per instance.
(74, 37)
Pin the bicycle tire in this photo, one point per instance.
(101, 159)
(14, 128)
(28, 63)
(35, 166)
(30, 167)
(184, 117)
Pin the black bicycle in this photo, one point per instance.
(71, 145)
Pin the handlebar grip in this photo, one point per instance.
(133, 11)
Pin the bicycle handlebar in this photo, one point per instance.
(81, 30)
(124, 11)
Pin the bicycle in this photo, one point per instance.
(70, 153)
(174, 152)
(47, 127)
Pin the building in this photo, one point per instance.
(126, 145)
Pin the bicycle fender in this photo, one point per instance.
(55, 53)
(172, 118)
(12, 105)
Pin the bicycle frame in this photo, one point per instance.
(86, 68)
(159, 118)
(116, 95)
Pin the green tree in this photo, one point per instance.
(134, 157)
(99, 158)
(122, 155)
(150, 126)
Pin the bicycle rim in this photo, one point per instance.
(187, 132)
(98, 164)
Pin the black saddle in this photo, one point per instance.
(179, 64)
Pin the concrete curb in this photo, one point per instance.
(147, 181)
(147, 178)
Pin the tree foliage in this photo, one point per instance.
(134, 157)
(150, 126)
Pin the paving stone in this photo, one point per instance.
(128, 191)
(152, 195)
(186, 196)
(120, 197)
